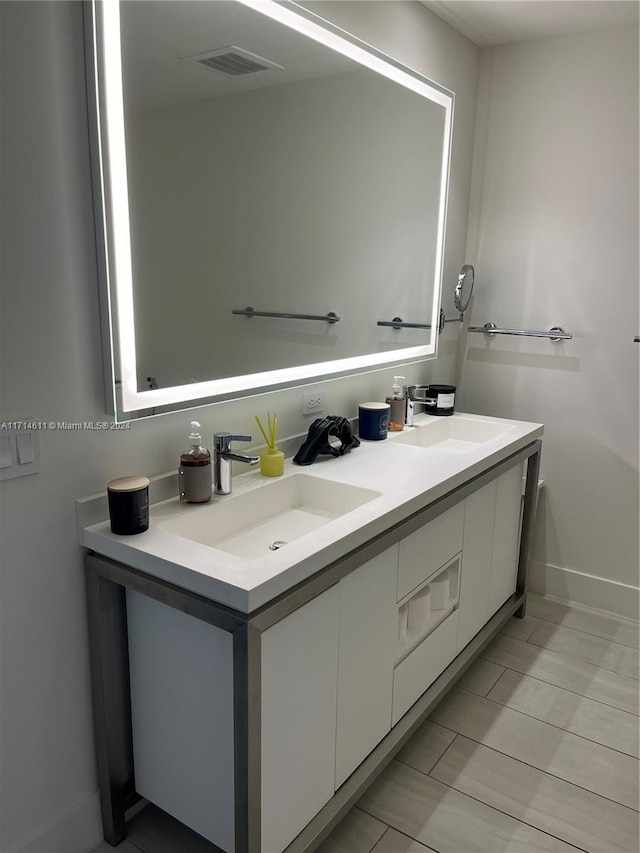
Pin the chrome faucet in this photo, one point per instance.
(223, 456)
(415, 395)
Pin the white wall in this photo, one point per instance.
(554, 237)
(51, 371)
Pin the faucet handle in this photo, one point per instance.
(417, 393)
(222, 440)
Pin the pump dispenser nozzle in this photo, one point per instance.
(195, 438)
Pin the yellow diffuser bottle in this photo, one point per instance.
(271, 459)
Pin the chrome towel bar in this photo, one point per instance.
(555, 333)
(251, 312)
(398, 323)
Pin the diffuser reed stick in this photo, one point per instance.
(271, 432)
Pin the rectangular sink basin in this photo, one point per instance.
(248, 523)
(453, 434)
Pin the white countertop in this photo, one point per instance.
(408, 478)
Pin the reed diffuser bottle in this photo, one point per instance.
(271, 459)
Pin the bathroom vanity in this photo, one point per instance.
(253, 693)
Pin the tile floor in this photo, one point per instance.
(535, 749)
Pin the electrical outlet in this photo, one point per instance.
(312, 403)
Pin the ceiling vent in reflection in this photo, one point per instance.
(232, 61)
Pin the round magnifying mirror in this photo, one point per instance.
(464, 288)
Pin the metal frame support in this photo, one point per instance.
(528, 519)
(111, 701)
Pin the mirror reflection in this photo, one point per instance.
(269, 171)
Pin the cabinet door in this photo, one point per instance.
(299, 679)
(423, 552)
(423, 665)
(477, 550)
(506, 538)
(368, 621)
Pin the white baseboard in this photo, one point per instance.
(78, 831)
(589, 590)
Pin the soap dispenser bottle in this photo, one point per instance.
(397, 405)
(194, 473)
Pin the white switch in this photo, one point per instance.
(25, 449)
(5, 451)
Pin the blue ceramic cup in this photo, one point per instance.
(373, 421)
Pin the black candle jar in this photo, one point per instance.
(128, 505)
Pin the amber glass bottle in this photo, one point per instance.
(397, 404)
(194, 473)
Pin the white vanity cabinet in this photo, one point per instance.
(491, 541)
(506, 537)
(181, 676)
(427, 602)
(479, 519)
(298, 687)
(365, 660)
(327, 679)
(258, 729)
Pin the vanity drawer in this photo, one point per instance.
(424, 551)
(423, 665)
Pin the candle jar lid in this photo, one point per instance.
(127, 484)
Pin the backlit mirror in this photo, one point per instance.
(270, 193)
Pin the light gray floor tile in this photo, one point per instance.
(357, 832)
(536, 798)
(596, 650)
(445, 819)
(395, 842)
(154, 831)
(585, 717)
(481, 676)
(623, 631)
(563, 754)
(426, 746)
(124, 847)
(568, 673)
(521, 629)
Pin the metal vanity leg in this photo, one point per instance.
(111, 700)
(528, 518)
(247, 738)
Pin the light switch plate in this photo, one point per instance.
(6, 459)
(29, 443)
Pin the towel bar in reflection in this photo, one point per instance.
(398, 323)
(251, 312)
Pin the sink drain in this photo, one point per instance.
(279, 543)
